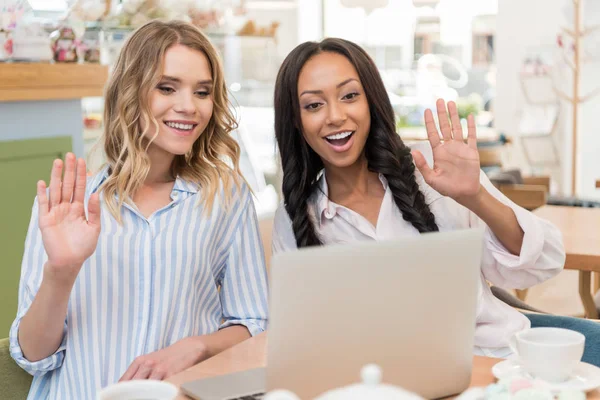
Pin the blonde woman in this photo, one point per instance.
(155, 263)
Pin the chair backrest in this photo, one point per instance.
(14, 381)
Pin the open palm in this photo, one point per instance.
(455, 171)
(69, 237)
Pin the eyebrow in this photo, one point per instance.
(177, 80)
(339, 85)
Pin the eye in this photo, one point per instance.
(350, 96)
(312, 106)
(166, 89)
(202, 93)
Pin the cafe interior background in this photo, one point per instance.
(525, 69)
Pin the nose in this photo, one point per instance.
(336, 114)
(185, 103)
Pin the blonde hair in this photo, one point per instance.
(136, 73)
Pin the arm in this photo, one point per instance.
(244, 277)
(49, 352)
(184, 354)
(41, 330)
(500, 218)
(213, 344)
(64, 240)
(521, 249)
(540, 257)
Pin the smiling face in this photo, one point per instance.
(334, 110)
(182, 101)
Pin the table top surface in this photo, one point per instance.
(252, 354)
(580, 227)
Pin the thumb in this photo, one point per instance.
(94, 210)
(422, 165)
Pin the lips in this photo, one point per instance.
(181, 128)
(340, 141)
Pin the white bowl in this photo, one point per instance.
(139, 390)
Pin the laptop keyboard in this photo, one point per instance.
(257, 396)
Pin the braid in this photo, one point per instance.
(296, 194)
(399, 170)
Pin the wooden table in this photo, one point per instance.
(580, 228)
(252, 354)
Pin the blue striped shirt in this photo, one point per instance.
(150, 283)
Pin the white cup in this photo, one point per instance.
(139, 390)
(550, 354)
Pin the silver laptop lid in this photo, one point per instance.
(407, 305)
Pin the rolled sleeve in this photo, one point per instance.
(542, 253)
(254, 326)
(244, 283)
(32, 267)
(39, 367)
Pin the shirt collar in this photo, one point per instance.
(181, 185)
(327, 209)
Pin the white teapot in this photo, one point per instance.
(371, 388)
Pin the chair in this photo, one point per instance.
(14, 381)
(513, 301)
(527, 192)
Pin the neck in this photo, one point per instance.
(354, 180)
(160, 166)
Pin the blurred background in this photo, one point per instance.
(524, 69)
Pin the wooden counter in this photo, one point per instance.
(43, 81)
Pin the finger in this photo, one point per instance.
(457, 132)
(68, 182)
(443, 120)
(432, 132)
(94, 209)
(422, 165)
(472, 132)
(42, 199)
(143, 372)
(158, 374)
(80, 181)
(55, 183)
(133, 368)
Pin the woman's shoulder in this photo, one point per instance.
(96, 178)
(231, 195)
(281, 217)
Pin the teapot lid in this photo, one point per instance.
(371, 388)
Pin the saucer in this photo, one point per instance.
(586, 376)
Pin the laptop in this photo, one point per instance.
(407, 305)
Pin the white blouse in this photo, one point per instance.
(542, 253)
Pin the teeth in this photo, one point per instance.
(341, 135)
(183, 127)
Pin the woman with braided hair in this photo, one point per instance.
(348, 177)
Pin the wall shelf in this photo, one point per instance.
(43, 81)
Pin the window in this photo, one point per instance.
(48, 5)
